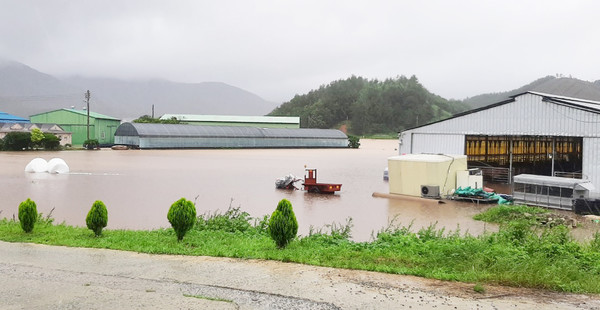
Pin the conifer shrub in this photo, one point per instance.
(283, 225)
(27, 215)
(97, 218)
(182, 216)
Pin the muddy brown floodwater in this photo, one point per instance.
(138, 187)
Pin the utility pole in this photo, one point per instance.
(87, 101)
(152, 111)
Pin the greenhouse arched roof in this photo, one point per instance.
(177, 130)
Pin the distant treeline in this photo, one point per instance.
(149, 119)
(369, 107)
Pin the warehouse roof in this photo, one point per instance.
(178, 130)
(8, 118)
(83, 112)
(233, 118)
(582, 104)
(576, 103)
(27, 127)
(554, 181)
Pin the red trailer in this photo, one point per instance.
(311, 185)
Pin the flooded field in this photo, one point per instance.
(138, 187)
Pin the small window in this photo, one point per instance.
(566, 192)
(554, 191)
(519, 187)
(102, 135)
(530, 188)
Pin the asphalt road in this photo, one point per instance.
(47, 277)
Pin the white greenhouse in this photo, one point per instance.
(172, 136)
(530, 133)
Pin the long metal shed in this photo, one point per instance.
(548, 191)
(236, 120)
(172, 136)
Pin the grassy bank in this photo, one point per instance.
(517, 255)
(382, 136)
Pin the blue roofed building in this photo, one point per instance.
(8, 118)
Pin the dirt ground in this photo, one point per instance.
(46, 277)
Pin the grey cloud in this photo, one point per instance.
(279, 48)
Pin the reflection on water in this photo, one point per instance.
(138, 187)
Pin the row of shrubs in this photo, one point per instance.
(282, 225)
(96, 219)
(17, 141)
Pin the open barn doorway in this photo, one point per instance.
(502, 157)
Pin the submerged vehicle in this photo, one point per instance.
(310, 183)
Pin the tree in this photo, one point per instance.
(151, 120)
(369, 106)
(36, 137)
(353, 142)
(17, 141)
(51, 142)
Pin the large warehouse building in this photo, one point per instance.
(236, 120)
(102, 127)
(172, 136)
(530, 133)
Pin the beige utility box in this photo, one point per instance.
(424, 175)
(471, 177)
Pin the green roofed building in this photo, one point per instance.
(236, 120)
(102, 127)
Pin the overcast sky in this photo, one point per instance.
(277, 49)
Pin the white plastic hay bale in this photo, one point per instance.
(37, 165)
(57, 165)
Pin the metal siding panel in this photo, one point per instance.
(438, 144)
(405, 142)
(591, 162)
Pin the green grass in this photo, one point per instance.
(479, 288)
(517, 255)
(507, 213)
(389, 136)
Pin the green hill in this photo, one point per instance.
(369, 106)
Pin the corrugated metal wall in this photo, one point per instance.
(127, 140)
(591, 161)
(438, 143)
(77, 124)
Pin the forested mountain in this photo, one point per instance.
(562, 86)
(369, 106)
